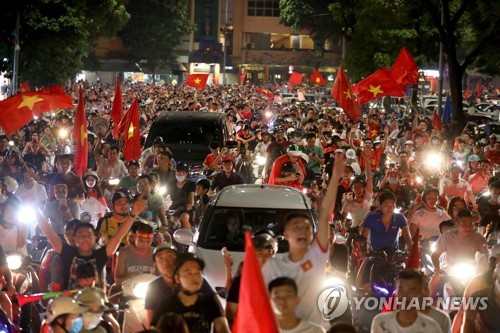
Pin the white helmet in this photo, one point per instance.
(91, 296)
(11, 184)
(61, 306)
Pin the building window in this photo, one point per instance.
(269, 8)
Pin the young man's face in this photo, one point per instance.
(165, 261)
(284, 300)
(408, 289)
(465, 225)
(143, 186)
(299, 233)
(388, 206)
(64, 166)
(190, 276)
(133, 170)
(200, 191)
(121, 206)
(143, 242)
(85, 239)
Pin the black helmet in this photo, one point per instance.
(185, 257)
(158, 140)
(181, 166)
(121, 193)
(265, 239)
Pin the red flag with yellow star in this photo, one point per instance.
(405, 69)
(317, 78)
(131, 133)
(80, 136)
(377, 85)
(266, 93)
(20, 109)
(295, 78)
(117, 109)
(342, 93)
(198, 81)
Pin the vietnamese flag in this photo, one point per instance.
(342, 93)
(198, 81)
(295, 78)
(255, 314)
(467, 93)
(436, 121)
(117, 109)
(131, 132)
(266, 93)
(18, 110)
(317, 78)
(479, 90)
(80, 136)
(243, 76)
(413, 260)
(377, 85)
(405, 70)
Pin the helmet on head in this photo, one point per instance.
(122, 193)
(265, 239)
(181, 166)
(474, 158)
(10, 184)
(91, 296)
(91, 173)
(427, 190)
(61, 306)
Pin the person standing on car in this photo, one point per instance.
(296, 158)
(226, 177)
(308, 256)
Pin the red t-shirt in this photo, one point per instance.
(209, 160)
(276, 172)
(425, 136)
(246, 115)
(375, 156)
(493, 156)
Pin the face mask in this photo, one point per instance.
(393, 180)
(180, 179)
(90, 182)
(91, 320)
(77, 325)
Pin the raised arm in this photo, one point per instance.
(46, 228)
(327, 206)
(368, 170)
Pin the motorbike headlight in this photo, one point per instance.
(419, 180)
(268, 114)
(162, 190)
(140, 289)
(433, 159)
(114, 181)
(26, 214)
(261, 160)
(14, 261)
(433, 247)
(463, 271)
(63, 133)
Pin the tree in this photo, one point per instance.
(55, 35)
(154, 30)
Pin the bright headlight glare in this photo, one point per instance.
(268, 114)
(162, 190)
(11, 143)
(433, 159)
(140, 289)
(63, 133)
(419, 180)
(114, 181)
(14, 261)
(26, 214)
(463, 271)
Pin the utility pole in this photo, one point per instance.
(441, 70)
(15, 72)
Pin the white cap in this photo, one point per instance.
(350, 154)
(409, 142)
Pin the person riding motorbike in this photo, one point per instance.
(61, 210)
(108, 225)
(181, 192)
(63, 315)
(95, 319)
(454, 186)
(156, 203)
(429, 215)
(13, 233)
(94, 203)
(130, 181)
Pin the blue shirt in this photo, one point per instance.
(381, 237)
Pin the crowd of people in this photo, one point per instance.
(378, 180)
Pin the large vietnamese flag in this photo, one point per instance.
(198, 81)
(377, 85)
(80, 136)
(130, 130)
(295, 78)
(342, 93)
(266, 93)
(317, 78)
(255, 314)
(405, 69)
(20, 109)
(117, 109)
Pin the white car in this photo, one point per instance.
(486, 110)
(257, 207)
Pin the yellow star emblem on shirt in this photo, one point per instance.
(197, 80)
(131, 130)
(373, 133)
(375, 90)
(318, 80)
(83, 134)
(29, 101)
(348, 94)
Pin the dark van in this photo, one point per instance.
(189, 133)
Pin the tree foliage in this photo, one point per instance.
(155, 29)
(55, 35)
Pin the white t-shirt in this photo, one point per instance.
(358, 210)
(454, 190)
(305, 327)
(460, 248)
(428, 222)
(34, 195)
(441, 317)
(387, 323)
(308, 273)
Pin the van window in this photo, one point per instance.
(227, 226)
(195, 133)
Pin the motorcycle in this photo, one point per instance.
(26, 316)
(134, 294)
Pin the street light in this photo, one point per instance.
(227, 32)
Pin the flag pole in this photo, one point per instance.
(16, 58)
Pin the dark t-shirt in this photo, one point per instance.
(221, 180)
(180, 196)
(233, 295)
(70, 260)
(198, 317)
(159, 291)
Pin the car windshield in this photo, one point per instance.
(194, 133)
(226, 226)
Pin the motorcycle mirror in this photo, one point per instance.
(184, 236)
